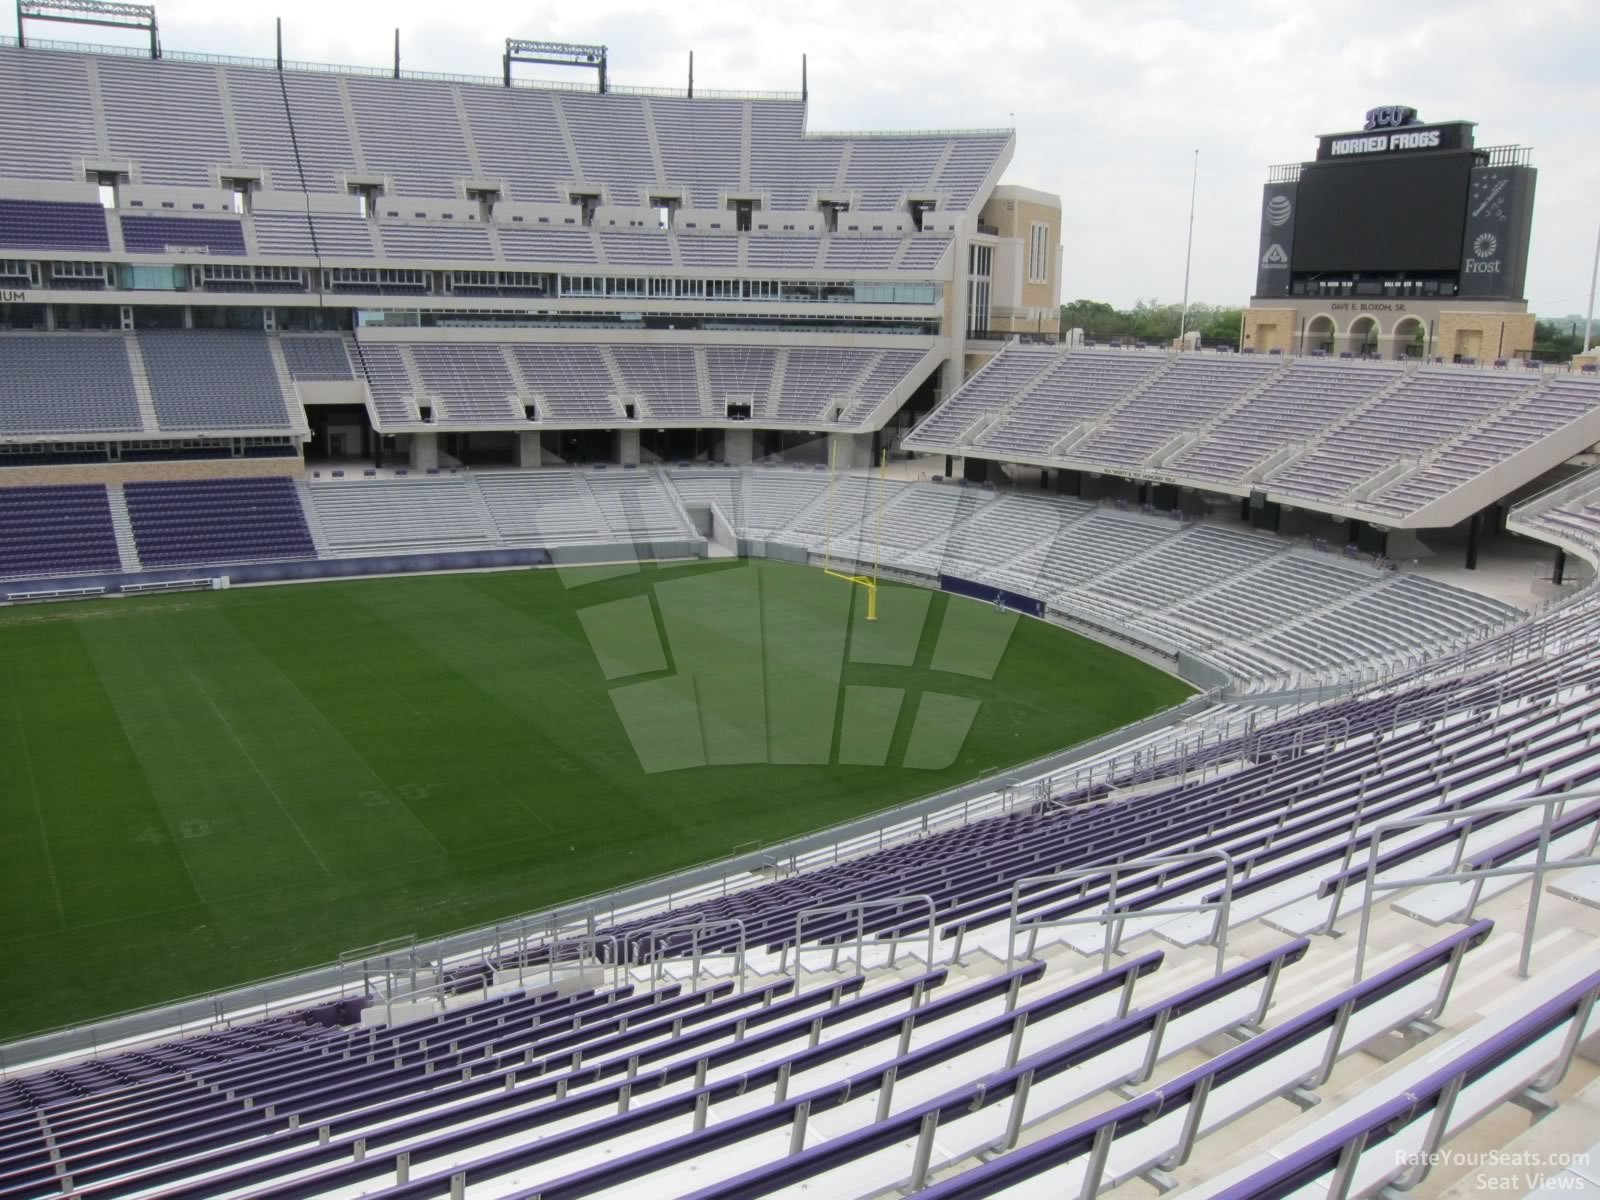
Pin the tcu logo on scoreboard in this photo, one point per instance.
(1390, 116)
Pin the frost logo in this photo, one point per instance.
(755, 665)
(1483, 261)
(1279, 210)
(1275, 259)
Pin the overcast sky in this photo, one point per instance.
(1110, 99)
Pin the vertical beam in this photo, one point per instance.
(280, 43)
(1559, 572)
(1472, 541)
(602, 70)
(804, 90)
(691, 74)
(397, 54)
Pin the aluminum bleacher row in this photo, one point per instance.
(1363, 436)
(1266, 613)
(1569, 513)
(195, 381)
(1253, 605)
(479, 384)
(304, 129)
(799, 1035)
(226, 381)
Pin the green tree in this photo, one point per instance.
(1557, 341)
(1096, 318)
(1152, 321)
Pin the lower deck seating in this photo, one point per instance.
(542, 508)
(205, 521)
(56, 530)
(397, 516)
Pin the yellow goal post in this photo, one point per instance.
(855, 578)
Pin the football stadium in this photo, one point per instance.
(561, 639)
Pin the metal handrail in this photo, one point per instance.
(1540, 866)
(1115, 921)
(1575, 485)
(861, 908)
(699, 924)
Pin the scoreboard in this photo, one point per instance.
(1399, 199)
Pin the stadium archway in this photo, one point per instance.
(1319, 335)
(1410, 338)
(1363, 337)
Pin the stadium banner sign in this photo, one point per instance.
(990, 594)
(1408, 139)
(1494, 250)
(1278, 204)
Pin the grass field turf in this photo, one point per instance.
(204, 789)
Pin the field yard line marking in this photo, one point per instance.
(360, 758)
(361, 666)
(38, 809)
(166, 818)
(250, 758)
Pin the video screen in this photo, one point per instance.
(1401, 213)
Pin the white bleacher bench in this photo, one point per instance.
(169, 585)
(54, 594)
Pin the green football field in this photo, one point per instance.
(203, 789)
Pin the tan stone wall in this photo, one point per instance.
(1269, 329)
(1015, 219)
(973, 359)
(216, 468)
(1484, 335)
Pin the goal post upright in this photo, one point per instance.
(857, 579)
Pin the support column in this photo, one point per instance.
(1472, 541)
(424, 451)
(738, 447)
(1558, 573)
(949, 465)
(850, 451)
(1244, 508)
(528, 453)
(628, 446)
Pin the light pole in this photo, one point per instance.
(1188, 252)
(1588, 320)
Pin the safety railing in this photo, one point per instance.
(1553, 805)
(1115, 919)
(860, 908)
(648, 941)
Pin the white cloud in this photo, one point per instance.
(1110, 100)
